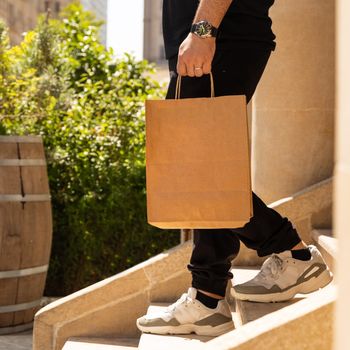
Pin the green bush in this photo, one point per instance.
(61, 83)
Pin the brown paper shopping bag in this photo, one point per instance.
(197, 162)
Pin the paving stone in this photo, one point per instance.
(18, 341)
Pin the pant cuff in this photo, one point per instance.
(286, 244)
(216, 287)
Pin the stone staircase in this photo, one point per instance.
(101, 344)
(160, 342)
(243, 314)
(102, 316)
(327, 245)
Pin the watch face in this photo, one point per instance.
(203, 28)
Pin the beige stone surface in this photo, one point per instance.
(86, 345)
(324, 218)
(101, 344)
(250, 311)
(342, 171)
(117, 320)
(43, 336)
(327, 245)
(342, 230)
(115, 341)
(243, 274)
(293, 109)
(297, 151)
(18, 341)
(171, 262)
(326, 239)
(21, 16)
(306, 202)
(112, 321)
(247, 257)
(168, 274)
(301, 209)
(94, 297)
(170, 342)
(111, 307)
(306, 325)
(171, 289)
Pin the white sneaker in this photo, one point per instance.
(188, 315)
(281, 277)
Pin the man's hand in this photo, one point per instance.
(195, 53)
(195, 56)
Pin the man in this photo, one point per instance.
(233, 40)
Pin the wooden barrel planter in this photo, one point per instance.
(25, 230)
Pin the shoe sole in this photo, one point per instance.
(188, 329)
(307, 287)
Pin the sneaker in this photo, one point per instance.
(188, 315)
(281, 277)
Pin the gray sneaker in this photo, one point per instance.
(188, 315)
(281, 277)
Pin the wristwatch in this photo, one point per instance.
(204, 29)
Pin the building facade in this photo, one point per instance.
(153, 46)
(99, 8)
(22, 15)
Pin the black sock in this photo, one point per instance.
(208, 301)
(301, 254)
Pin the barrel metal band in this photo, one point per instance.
(19, 307)
(23, 272)
(16, 329)
(21, 139)
(26, 198)
(22, 162)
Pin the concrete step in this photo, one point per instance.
(327, 244)
(247, 311)
(90, 343)
(170, 342)
(117, 301)
(307, 324)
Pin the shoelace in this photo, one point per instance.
(271, 267)
(184, 299)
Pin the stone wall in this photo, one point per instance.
(21, 15)
(342, 172)
(293, 109)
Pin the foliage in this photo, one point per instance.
(62, 83)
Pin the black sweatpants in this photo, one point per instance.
(235, 72)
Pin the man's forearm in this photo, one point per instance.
(212, 10)
(195, 53)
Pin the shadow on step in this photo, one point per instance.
(251, 311)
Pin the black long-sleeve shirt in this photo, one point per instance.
(246, 22)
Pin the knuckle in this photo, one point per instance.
(180, 70)
(181, 57)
